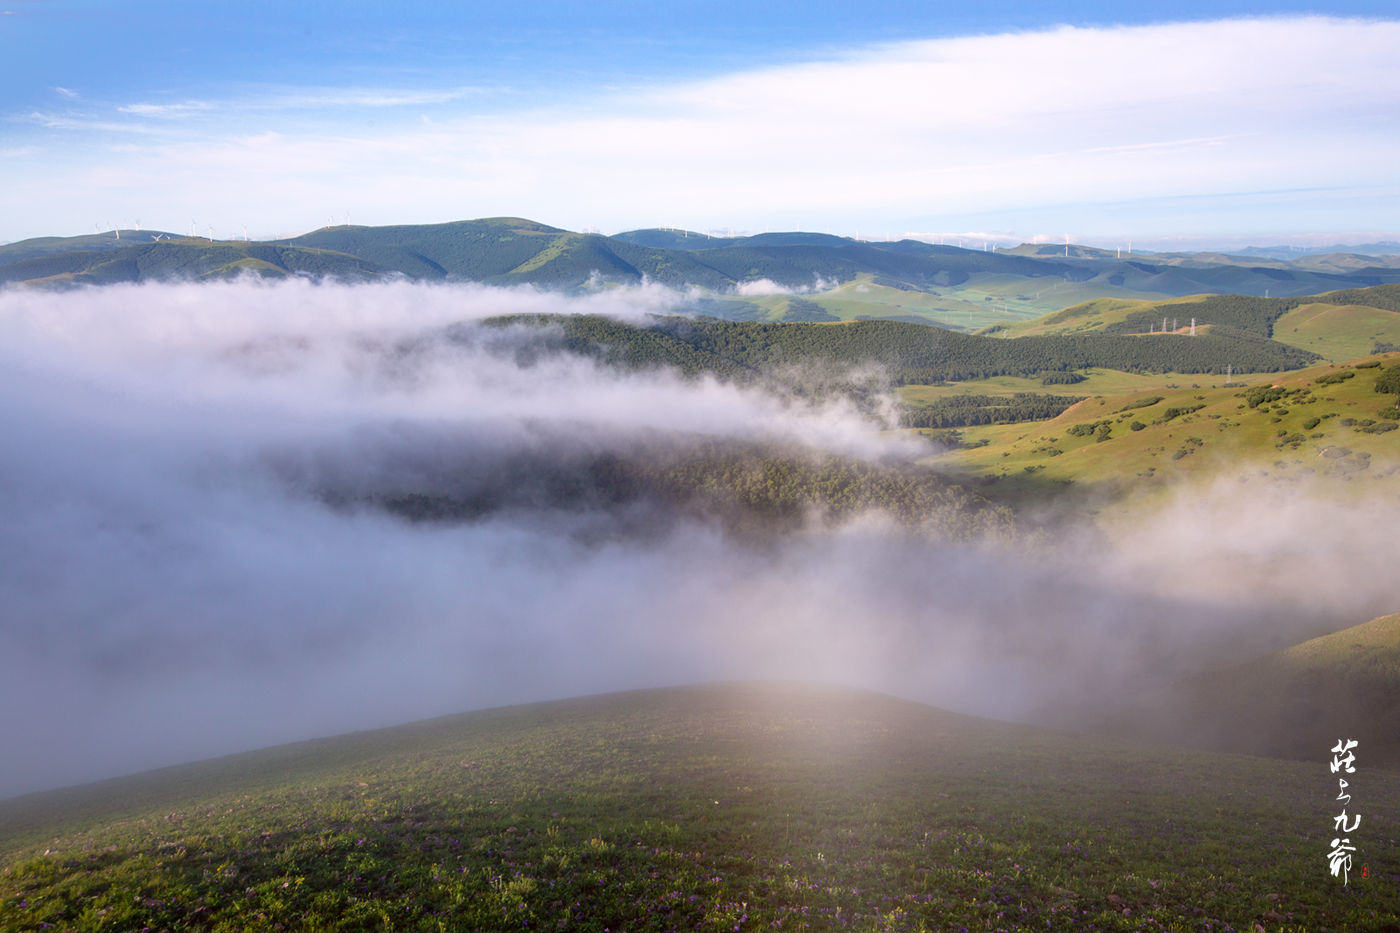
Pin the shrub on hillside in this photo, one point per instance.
(1260, 395)
(1389, 381)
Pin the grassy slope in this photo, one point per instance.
(1337, 332)
(1293, 702)
(705, 809)
(983, 300)
(1223, 436)
(1345, 324)
(1096, 382)
(187, 259)
(1087, 317)
(38, 247)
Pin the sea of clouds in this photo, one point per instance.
(187, 567)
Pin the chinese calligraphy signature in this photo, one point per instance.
(1343, 762)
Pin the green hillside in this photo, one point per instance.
(1294, 702)
(981, 300)
(38, 247)
(183, 259)
(705, 808)
(910, 353)
(1325, 422)
(505, 250)
(846, 279)
(1337, 331)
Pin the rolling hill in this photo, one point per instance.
(747, 277)
(183, 260)
(1133, 432)
(1339, 325)
(1295, 701)
(38, 247)
(704, 808)
(908, 353)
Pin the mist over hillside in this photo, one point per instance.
(242, 513)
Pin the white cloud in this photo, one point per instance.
(365, 97)
(167, 110)
(761, 287)
(1098, 126)
(84, 122)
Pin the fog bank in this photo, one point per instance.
(194, 559)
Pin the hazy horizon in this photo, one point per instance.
(973, 240)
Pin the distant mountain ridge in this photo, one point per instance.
(514, 251)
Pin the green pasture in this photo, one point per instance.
(709, 808)
(1097, 382)
(1338, 332)
(1335, 430)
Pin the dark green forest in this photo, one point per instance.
(909, 353)
(961, 411)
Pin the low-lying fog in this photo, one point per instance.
(189, 563)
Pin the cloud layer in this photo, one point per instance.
(1228, 127)
(177, 582)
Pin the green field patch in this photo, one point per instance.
(1097, 382)
(556, 249)
(1337, 332)
(1293, 420)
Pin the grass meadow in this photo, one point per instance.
(1140, 431)
(728, 807)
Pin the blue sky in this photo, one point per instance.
(1205, 123)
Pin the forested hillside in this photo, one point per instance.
(911, 353)
(749, 490)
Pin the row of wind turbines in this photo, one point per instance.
(194, 230)
(157, 237)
